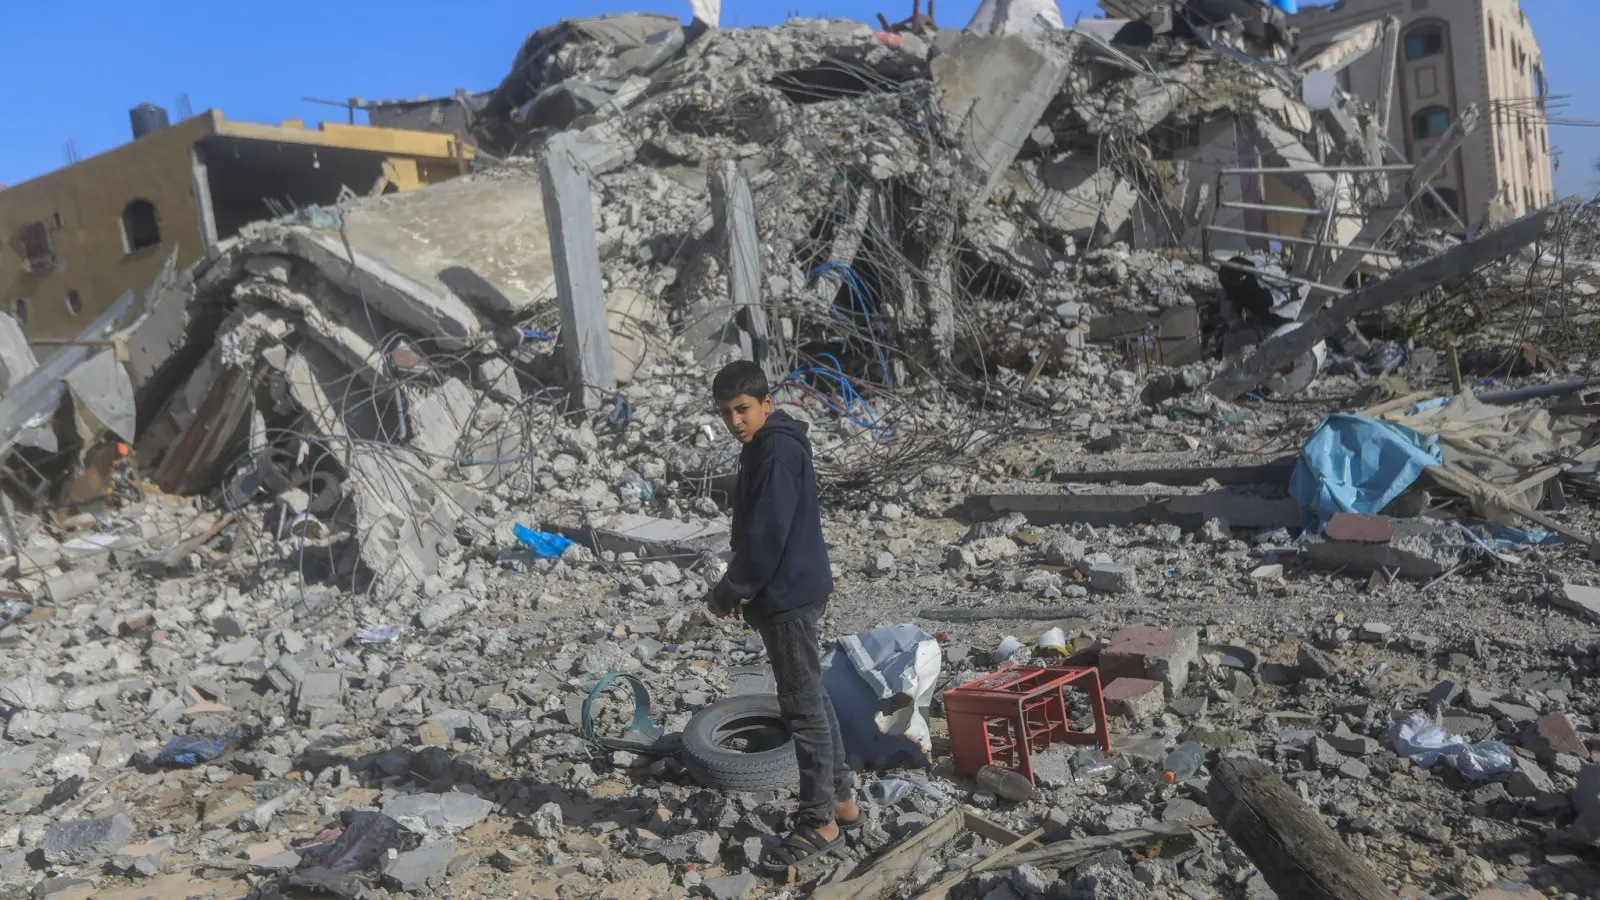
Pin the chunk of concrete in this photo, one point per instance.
(86, 840)
(1138, 699)
(1577, 598)
(415, 870)
(453, 811)
(1147, 651)
(994, 90)
(1420, 549)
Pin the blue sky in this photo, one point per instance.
(77, 67)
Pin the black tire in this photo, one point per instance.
(713, 754)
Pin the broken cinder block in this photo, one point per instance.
(1137, 699)
(1147, 651)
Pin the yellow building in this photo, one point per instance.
(73, 240)
(1452, 54)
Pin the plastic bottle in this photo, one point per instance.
(1089, 764)
(1182, 763)
(1005, 783)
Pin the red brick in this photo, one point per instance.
(1139, 699)
(1358, 528)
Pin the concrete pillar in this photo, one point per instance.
(205, 213)
(734, 211)
(585, 334)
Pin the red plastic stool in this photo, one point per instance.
(1005, 717)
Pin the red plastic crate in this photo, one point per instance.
(1005, 717)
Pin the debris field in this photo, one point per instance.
(317, 551)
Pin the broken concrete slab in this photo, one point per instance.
(416, 870)
(86, 840)
(451, 811)
(648, 536)
(1284, 348)
(1418, 549)
(993, 91)
(1241, 507)
(1577, 598)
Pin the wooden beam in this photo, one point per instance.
(896, 864)
(1276, 352)
(1486, 495)
(585, 333)
(1296, 852)
(993, 860)
(1063, 854)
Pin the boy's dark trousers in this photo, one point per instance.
(796, 653)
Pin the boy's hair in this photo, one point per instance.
(736, 378)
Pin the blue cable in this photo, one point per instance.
(860, 294)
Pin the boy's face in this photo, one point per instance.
(744, 415)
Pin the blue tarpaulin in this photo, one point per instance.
(542, 543)
(1289, 6)
(1355, 464)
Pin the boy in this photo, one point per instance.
(779, 579)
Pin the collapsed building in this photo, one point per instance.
(893, 221)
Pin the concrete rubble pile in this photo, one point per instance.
(319, 630)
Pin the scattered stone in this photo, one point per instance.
(730, 887)
(416, 870)
(1527, 779)
(547, 821)
(1316, 664)
(1553, 734)
(86, 840)
(1113, 578)
(1138, 699)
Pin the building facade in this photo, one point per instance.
(1453, 54)
(73, 240)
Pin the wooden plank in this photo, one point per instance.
(894, 865)
(942, 889)
(575, 253)
(988, 829)
(1296, 852)
(1404, 401)
(1469, 486)
(1063, 853)
(1277, 352)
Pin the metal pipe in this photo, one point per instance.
(1319, 169)
(1267, 207)
(1504, 398)
(1300, 240)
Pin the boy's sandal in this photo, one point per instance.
(802, 846)
(851, 824)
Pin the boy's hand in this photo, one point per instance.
(719, 609)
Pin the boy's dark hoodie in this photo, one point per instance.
(780, 563)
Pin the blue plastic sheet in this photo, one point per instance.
(542, 543)
(1289, 6)
(186, 751)
(1355, 464)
